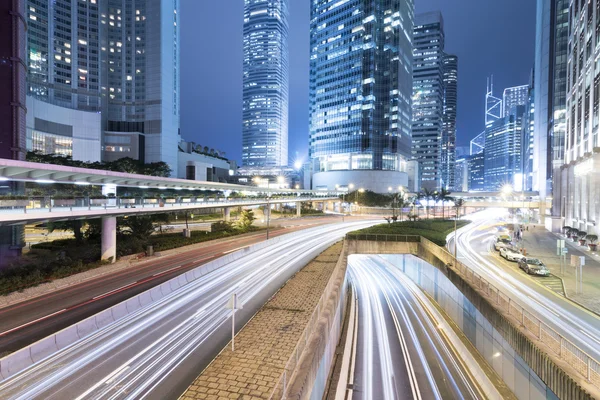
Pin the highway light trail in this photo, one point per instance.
(573, 322)
(404, 348)
(142, 355)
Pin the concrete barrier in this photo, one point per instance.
(43, 348)
(119, 310)
(86, 327)
(145, 298)
(66, 337)
(156, 293)
(104, 318)
(182, 280)
(174, 284)
(133, 304)
(18, 361)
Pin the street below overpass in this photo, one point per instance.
(402, 350)
(156, 351)
(24, 323)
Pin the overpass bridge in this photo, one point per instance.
(21, 210)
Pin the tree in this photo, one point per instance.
(246, 219)
(443, 196)
(458, 204)
(74, 226)
(140, 227)
(427, 195)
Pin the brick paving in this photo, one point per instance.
(265, 344)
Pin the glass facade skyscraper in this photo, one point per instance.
(450, 74)
(360, 85)
(428, 99)
(514, 96)
(266, 84)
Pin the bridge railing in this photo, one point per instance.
(19, 204)
(566, 350)
(384, 237)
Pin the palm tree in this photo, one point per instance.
(427, 195)
(443, 196)
(458, 204)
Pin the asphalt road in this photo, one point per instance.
(401, 353)
(24, 323)
(156, 351)
(577, 324)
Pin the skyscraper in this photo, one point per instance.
(514, 96)
(117, 57)
(428, 99)
(503, 150)
(141, 51)
(578, 181)
(360, 89)
(551, 55)
(266, 84)
(12, 109)
(450, 73)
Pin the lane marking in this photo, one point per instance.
(164, 272)
(231, 251)
(111, 291)
(32, 322)
(590, 336)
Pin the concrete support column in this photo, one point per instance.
(109, 239)
(299, 209)
(227, 214)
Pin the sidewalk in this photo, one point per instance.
(265, 344)
(541, 244)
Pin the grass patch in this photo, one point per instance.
(434, 230)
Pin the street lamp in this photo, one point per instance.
(268, 216)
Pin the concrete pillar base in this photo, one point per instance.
(298, 209)
(227, 214)
(108, 248)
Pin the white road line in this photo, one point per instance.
(590, 336)
(114, 290)
(231, 251)
(167, 270)
(32, 322)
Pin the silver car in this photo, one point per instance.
(500, 243)
(533, 266)
(511, 253)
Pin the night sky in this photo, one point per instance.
(489, 37)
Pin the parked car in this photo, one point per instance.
(511, 253)
(533, 266)
(500, 243)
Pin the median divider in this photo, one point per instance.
(36, 352)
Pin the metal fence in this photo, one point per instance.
(384, 237)
(566, 350)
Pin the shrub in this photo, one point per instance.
(434, 230)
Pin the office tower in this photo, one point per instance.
(503, 150)
(266, 84)
(551, 56)
(360, 89)
(478, 144)
(514, 96)
(103, 79)
(493, 104)
(476, 165)
(450, 75)
(428, 98)
(461, 174)
(579, 176)
(141, 52)
(528, 138)
(12, 110)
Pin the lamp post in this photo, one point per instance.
(361, 190)
(268, 216)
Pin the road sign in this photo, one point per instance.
(565, 250)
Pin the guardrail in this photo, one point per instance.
(49, 204)
(384, 237)
(281, 386)
(583, 363)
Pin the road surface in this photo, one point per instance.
(157, 351)
(401, 350)
(24, 323)
(575, 323)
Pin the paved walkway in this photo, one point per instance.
(541, 243)
(265, 344)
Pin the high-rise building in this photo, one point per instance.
(514, 96)
(118, 58)
(528, 139)
(266, 84)
(551, 55)
(12, 110)
(478, 144)
(141, 52)
(360, 90)
(493, 105)
(450, 74)
(503, 150)
(428, 98)
(461, 174)
(577, 182)
(476, 166)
